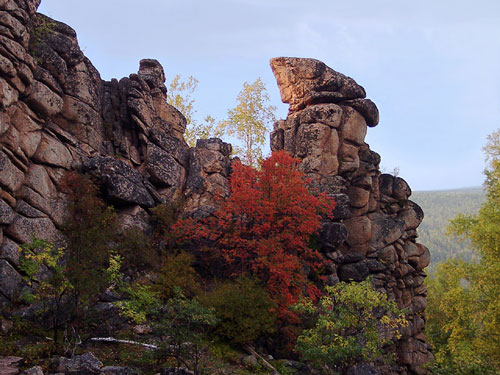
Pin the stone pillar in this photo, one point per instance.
(374, 230)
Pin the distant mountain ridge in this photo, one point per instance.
(439, 207)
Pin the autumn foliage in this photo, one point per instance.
(264, 228)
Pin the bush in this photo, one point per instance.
(351, 323)
(41, 265)
(142, 302)
(177, 271)
(183, 324)
(137, 251)
(163, 217)
(244, 310)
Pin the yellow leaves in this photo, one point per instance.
(385, 320)
(463, 303)
(113, 270)
(347, 325)
(250, 119)
(39, 254)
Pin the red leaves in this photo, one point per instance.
(264, 228)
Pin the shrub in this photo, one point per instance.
(164, 216)
(177, 271)
(351, 323)
(142, 302)
(183, 324)
(244, 310)
(49, 282)
(137, 251)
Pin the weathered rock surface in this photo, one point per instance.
(36, 370)
(58, 115)
(9, 365)
(374, 231)
(85, 364)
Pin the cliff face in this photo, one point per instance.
(57, 115)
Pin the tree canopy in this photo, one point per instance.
(249, 121)
(464, 297)
(180, 95)
(264, 228)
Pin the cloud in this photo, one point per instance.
(431, 66)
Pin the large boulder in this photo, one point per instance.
(309, 81)
(10, 280)
(124, 185)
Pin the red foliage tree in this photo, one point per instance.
(264, 228)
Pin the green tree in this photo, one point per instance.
(180, 95)
(92, 232)
(66, 281)
(465, 297)
(453, 325)
(249, 121)
(352, 322)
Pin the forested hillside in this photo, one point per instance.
(439, 207)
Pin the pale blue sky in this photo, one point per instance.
(432, 67)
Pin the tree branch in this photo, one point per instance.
(113, 340)
(250, 350)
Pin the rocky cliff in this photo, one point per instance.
(57, 115)
(375, 228)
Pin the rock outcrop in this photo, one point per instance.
(374, 231)
(58, 115)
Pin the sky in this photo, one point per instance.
(431, 66)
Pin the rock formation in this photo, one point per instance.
(57, 115)
(374, 231)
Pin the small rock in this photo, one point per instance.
(6, 213)
(359, 230)
(44, 100)
(362, 369)
(152, 72)
(10, 280)
(249, 361)
(118, 370)
(367, 108)
(401, 189)
(175, 371)
(385, 230)
(6, 325)
(142, 329)
(85, 364)
(332, 235)
(36, 370)
(354, 271)
(353, 127)
(8, 365)
(294, 364)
